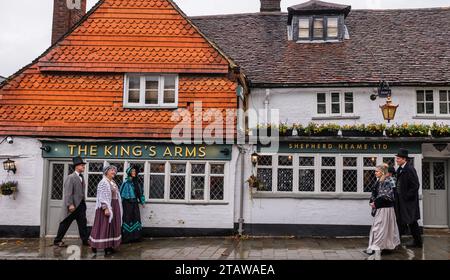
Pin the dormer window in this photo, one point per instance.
(317, 21)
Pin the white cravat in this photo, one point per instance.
(78, 174)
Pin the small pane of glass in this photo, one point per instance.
(321, 108)
(198, 188)
(429, 108)
(265, 160)
(328, 161)
(169, 89)
(426, 176)
(328, 180)
(306, 180)
(350, 181)
(157, 187)
(96, 167)
(369, 180)
(285, 160)
(370, 161)
(198, 168)
(218, 169)
(178, 168)
(420, 108)
(332, 27)
(350, 161)
(321, 98)
(303, 31)
(306, 161)
(285, 180)
(151, 92)
(265, 175)
(420, 96)
(318, 28)
(158, 168)
(429, 95)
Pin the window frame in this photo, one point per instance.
(436, 103)
(339, 167)
(329, 104)
(325, 37)
(161, 87)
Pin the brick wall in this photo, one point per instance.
(66, 13)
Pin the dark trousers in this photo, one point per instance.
(414, 229)
(80, 216)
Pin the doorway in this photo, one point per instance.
(435, 193)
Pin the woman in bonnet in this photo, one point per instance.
(106, 232)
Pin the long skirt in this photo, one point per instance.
(132, 226)
(104, 234)
(384, 234)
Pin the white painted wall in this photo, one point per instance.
(26, 209)
(300, 105)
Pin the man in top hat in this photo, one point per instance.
(407, 198)
(74, 204)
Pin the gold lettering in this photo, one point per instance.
(124, 150)
(116, 151)
(152, 151)
(94, 150)
(137, 151)
(168, 152)
(178, 152)
(83, 149)
(192, 153)
(202, 152)
(108, 150)
(71, 148)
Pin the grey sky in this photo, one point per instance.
(25, 25)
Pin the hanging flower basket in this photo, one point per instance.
(255, 184)
(8, 188)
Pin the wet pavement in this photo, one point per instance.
(436, 247)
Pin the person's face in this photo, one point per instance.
(111, 173)
(133, 173)
(400, 161)
(80, 168)
(378, 173)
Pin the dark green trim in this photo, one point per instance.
(19, 231)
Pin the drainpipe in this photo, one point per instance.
(241, 220)
(266, 106)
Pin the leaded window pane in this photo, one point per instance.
(350, 181)
(426, 176)
(328, 180)
(306, 180)
(217, 186)
(369, 180)
(265, 175)
(306, 161)
(389, 161)
(119, 165)
(93, 180)
(178, 168)
(265, 160)
(96, 167)
(197, 187)
(198, 168)
(156, 186)
(57, 182)
(285, 160)
(158, 168)
(350, 161)
(439, 175)
(217, 169)
(329, 161)
(177, 187)
(370, 161)
(285, 180)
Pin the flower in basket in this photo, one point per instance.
(283, 129)
(408, 130)
(441, 130)
(322, 129)
(8, 188)
(255, 182)
(375, 128)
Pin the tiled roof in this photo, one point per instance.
(401, 46)
(76, 88)
(135, 36)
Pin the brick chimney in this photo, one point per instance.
(66, 13)
(270, 6)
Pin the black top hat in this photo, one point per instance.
(403, 153)
(77, 161)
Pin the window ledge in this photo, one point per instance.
(342, 196)
(318, 118)
(151, 107)
(432, 117)
(318, 41)
(187, 203)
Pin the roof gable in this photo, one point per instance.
(135, 36)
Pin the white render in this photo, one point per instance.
(299, 105)
(25, 210)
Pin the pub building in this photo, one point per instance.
(111, 88)
(324, 63)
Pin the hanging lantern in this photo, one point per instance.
(255, 157)
(389, 110)
(10, 166)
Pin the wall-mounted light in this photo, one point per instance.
(10, 166)
(46, 149)
(8, 140)
(388, 110)
(255, 158)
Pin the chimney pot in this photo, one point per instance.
(270, 6)
(66, 13)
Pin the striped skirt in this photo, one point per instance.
(104, 234)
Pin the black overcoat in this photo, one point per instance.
(407, 195)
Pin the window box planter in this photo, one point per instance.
(440, 131)
(406, 130)
(359, 133)
(325, 133)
